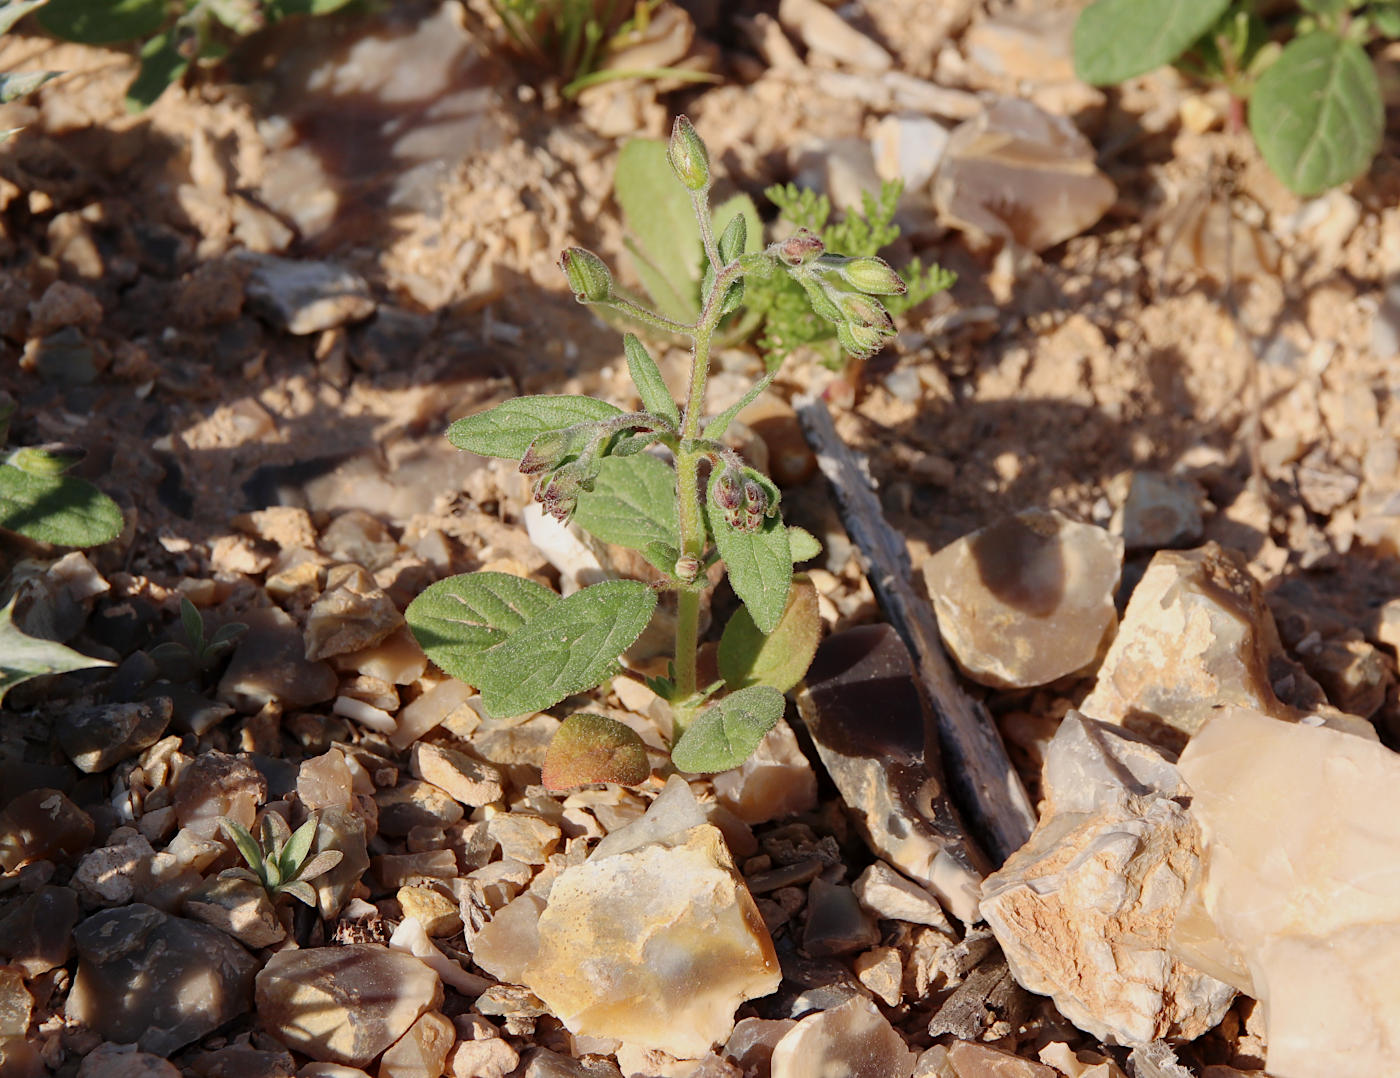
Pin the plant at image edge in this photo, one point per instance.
(526, 648)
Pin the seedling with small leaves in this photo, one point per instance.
(635, 479)
(1315, 106)
(279, 864)
(193, 654)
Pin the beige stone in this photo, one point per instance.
(435, 911)
(967, 1059)
(892, 897)
(776, 781)
(881, 971)
(472, 782)
(325, 782)
(422, 1051)
(489, 1058)
(853, 1040)
(239, 907)
(344, 1004)
(1027, 600)
(432, 709)
(352, 614)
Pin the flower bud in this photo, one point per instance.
(864, 311)
(687, 568)
(548, 451)
(558, 493)
(689, 158)
(872, 276)
(860, 341)
(801, 247)
(755, 499)
(729, 491)
(52, 459)
(588, 275)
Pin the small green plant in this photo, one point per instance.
(278, 864)
(173, 35)
(41, 503)
(14, 85)
(193, 655)
(526, 648)
(1314, 102)
(574, 38)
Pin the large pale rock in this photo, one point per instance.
(1085, 910)
(853, 1040)
(1028, 599)
(305, 297)
(192, 978)
(1196, 635)
(344, 1004)
(1017, 172)
(879, 743)
(1300, 900)
(656, 945)
(422, 1051)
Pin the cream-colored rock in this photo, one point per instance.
(239, 907)
(1080, 1064)
(967, 1059)
(853, 1040)
(1300, 901)
(422, 1051)
(776, 781)
(432, 709)
(437, 913)
(655, 946)
(472, 782)
(352, 614)
(1028, 599)
(344, 1004)
(892, 897)
(881, 971)
(324, 782)
(1084, 911)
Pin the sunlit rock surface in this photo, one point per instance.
(774, 782)
(867, 719)
(1300, 902)
(853, 1040)
(344, 1004)
(1085, 909)
(1028, 599)
(967, 1059)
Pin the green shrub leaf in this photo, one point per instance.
(508, 429)
(805, 546)
(725, 735)
(102, 22)
(1119, 39)
(1317, 114)
(777, 659)
(759, 563)
(594, 748)
(12, 12)
(56, 509)
(161, 64)
(457, 620)
(664, 239)
(23, 657)
(651, 387)
(632, 503)
(570, 647)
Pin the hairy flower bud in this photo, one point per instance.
(801, 247)
(865, 312)
(52, 459)
(860, 341)
(729, 490)
(689, 158)
(558, 493)
(548, 451)
(588, 275)
(755, 499)
(687, 568)
(872, 276)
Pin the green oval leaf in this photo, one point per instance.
(664, 238)
(508, 429)
(23, 657)
(568, 648)
(457, 620)
(632, 503)
(759, 563)
(646, 376)
(1317, 114)
(777, 659)
(1119, 39)
(594, 748)
(56, 509)
(102, 22)
(725, 735)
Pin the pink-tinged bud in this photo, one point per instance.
(729, 491)
(546, 451)
(801, 247)
(755, 498)
(558, 494)
(689, 158)
(687, 568)
(860, 341)
(864, 311)
(588, 275)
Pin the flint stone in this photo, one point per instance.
(239, 908)
(124, 1061)
(305, 297)
(836, 924)
(217, 784)
(853, 1039)
(1300, 901)
(1084, 911)
(347, 833)
(889, 896)
(1027, 600)
(967, 1059)
(95, 738)
(422, 1051)
(472, 782)
(879, 743)
(353, 613)
(775, 781)
(42, 825)
(1161, 511)
(1196, 635)
(192, 978)
(344, 1004)
(414, 803)
(824, 31)
(655, 945)
(114, 874)
(270, 666)
(1018, 173)
(36, 931)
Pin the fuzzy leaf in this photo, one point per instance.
(23, 657)
(725, 735)
(1317, 113)
(13, 87)
(632, 503)
(805, 546)
(568, 648)
(275, 832)
(302, 891)
(192, 622)
(759, 563)
(12, 12)
(1116, 40)
(662, 556)
(594, 748)
(780, 658)
(102, 22)
(651, 387)
(664, 238)
(247, 845)
(56, 509)
(297, 847)
(508, 429)
(457, 620)
(319, 864)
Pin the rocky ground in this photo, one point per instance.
(259, 304)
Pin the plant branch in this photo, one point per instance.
(638, 313)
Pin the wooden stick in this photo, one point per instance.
(984, 783)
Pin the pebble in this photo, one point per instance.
(891, 897)
(836, 924)
(353, 613)
(397, 659)
(824, 31)
(95, 738)
(1016, 172)
(140, 945)
(852, 1039)
(492, 1057)
(344, 1004)
(1027, 600)
(1300, 902)
(239, 908)
(908, 148)
(414, 803)
(304, 297)
(42, 825)
(269, 665)
(63, 305)
(361, 539)
(1085, 910)
(865, 713)
(422, 1051)
(451, 698)
(968, 1059)
(1161, 511)
(325, 782)
(437, 913)
(881, 970)
(777, 780)
(36, 932)
(125, 1061)
(215, 785)
(114, 874)
(470, 781)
